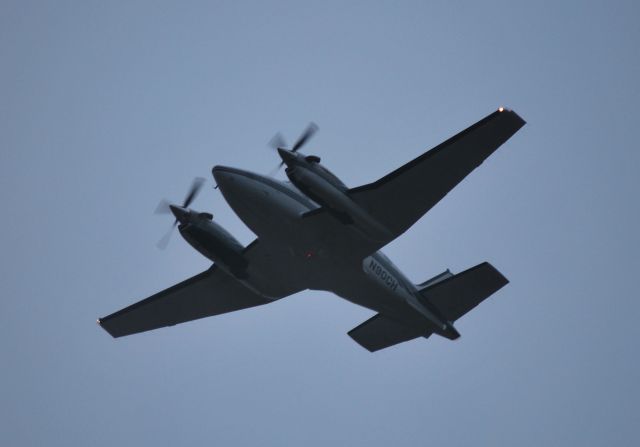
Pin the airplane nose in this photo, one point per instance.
(182, 214)
(220, 175)
(228, 178)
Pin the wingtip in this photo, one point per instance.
(101, 322)
(506, 110)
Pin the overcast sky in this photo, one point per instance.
(108, 107)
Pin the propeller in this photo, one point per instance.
(308, 133)
(164, 207)
(278, 142)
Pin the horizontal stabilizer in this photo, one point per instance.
(380, 332)
(457, 295)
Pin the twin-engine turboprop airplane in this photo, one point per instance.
(316, 233)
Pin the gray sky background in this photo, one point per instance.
(107, 107)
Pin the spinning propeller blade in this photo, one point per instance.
(196, 186)
(162, 243)
(164, 207)
(308, 133)
(278, 142)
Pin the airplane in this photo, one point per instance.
(313, 232)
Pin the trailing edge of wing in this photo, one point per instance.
(210, 293)
(400, 198)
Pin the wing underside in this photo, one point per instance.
(400, 198)
(212, 292)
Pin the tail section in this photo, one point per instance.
(455, 295)
(446, 295)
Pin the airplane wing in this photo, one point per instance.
(209, 293)
(400, 198)
(212, 292)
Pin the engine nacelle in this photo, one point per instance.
(216, 243)
(334, 197)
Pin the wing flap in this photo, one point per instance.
(380, 332)
(400, 198)
(457, 295)
(212, 292)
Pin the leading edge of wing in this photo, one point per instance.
(516, 123)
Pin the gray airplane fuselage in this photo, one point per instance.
(334, 258)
